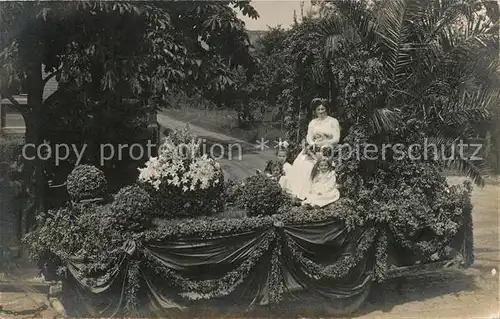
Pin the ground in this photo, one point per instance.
(472, 293)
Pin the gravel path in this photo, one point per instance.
(236, 164)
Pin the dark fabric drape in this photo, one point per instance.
(324, 258)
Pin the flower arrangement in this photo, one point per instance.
(182, 181)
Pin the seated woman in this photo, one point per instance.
(322, 134)
(323, 189)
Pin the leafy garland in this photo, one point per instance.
(340, 210)
(132, 287)
(341, 267)
(208, 289)
(205, 227)
(381, 257)
(275, 280)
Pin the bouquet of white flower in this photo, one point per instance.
(182, 180)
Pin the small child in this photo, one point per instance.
(282, 157)
(323, 190)
(273, 170)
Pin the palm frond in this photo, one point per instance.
(474, 170)
(459, 158)
(393, 32)
(318, 70)
(358, 16)
(384, 119)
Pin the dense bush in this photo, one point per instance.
(10, 149)
(131, 209)
(86, 182)
(262, 196)
(74, 231)
(233, 193)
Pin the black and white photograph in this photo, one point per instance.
(250, 159)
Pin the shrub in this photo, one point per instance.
(10, 148)
(130, 209)
(233, 193)
(74, 230)
(262, 196)
(86, 182)
(182, 136)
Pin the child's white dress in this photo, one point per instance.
(324, 190)
(283, 181)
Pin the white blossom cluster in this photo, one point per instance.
(170, 167)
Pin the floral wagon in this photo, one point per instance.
(168, 244)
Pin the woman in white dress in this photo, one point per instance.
(323, 132)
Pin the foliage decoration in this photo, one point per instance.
(381, 265)
(342, 266)
(131, 209)
(75, 230)
(86, 182)
(205, 227)
(208, 289)
(262, 195)
(233, 193)
(276, 286)
(132, 288)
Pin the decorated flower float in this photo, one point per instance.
(181, 239)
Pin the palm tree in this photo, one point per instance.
(439, 58)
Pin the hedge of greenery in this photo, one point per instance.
(10, 149)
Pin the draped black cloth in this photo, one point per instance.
(253, 267)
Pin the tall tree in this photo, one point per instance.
(119, 49)
(391, 64)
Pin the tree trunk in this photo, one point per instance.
(34, 168)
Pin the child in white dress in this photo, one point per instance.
(323, 189)
(282, 158)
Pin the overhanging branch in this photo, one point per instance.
(50, 76)
(17, 106)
